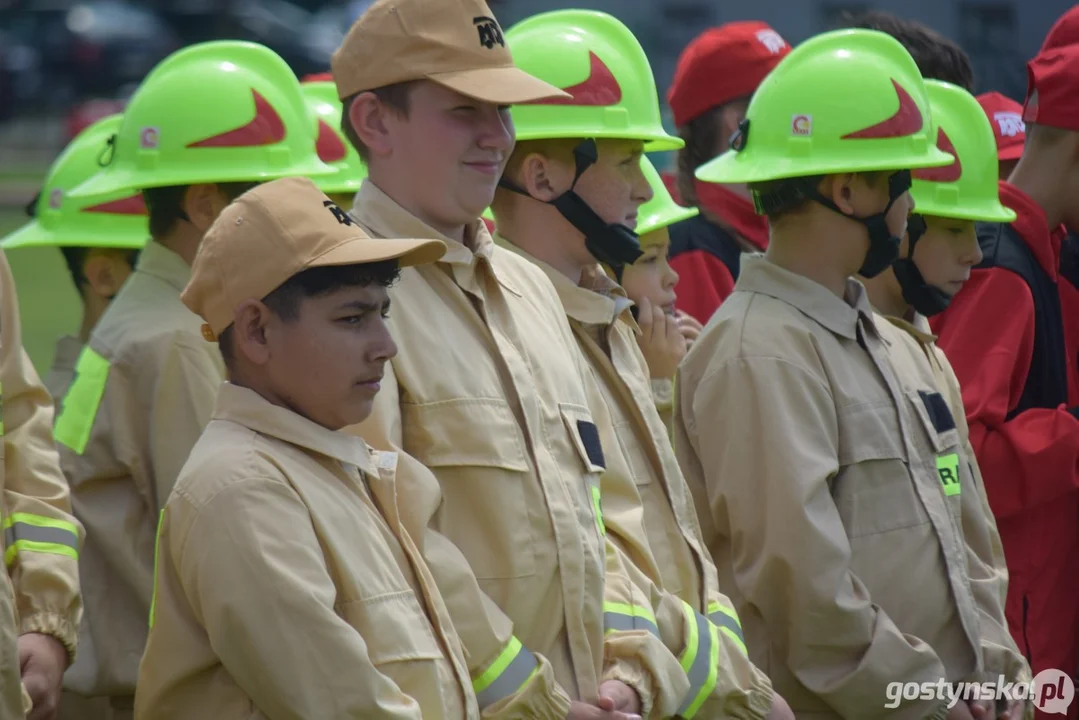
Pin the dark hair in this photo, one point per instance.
(286, 299)
(700, 135)
(937, 57)
(165, 205)
(396, 97)
(787, 195)
(75, 258)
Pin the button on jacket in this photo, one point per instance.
(827, 489)
(501, 460)
(143, 391)
(287, 586)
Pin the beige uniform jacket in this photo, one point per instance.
(985, 558)
(39, 592)
(143, 391)
(287, 586)
(500, 461)
(647, 507)
(62, 372)
(828, 495)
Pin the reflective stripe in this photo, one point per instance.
(726, 619)
(80, 404)
(510, 671)
(619, 617)
(157, 550)
(700, 661)
(598, 509)
(37, 533)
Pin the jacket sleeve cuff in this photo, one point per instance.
(640, 660)
(54, 625)
(759, 699)
(539, 697)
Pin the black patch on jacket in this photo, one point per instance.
(938, 411)
(590, 437)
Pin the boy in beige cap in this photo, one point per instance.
(488, 403)
(287, 583)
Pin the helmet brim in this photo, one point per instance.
(741, 167)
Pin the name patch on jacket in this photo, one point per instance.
(938, 411)
(590, 439)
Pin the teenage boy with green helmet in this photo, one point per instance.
(826, 477)
(99, 240)
(568, 202)
(208, 122)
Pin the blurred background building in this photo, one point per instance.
(65, 63)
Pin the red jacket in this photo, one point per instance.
(1030, 462)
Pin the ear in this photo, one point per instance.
(203, 203)
(368, 117)
(541, 177)
(842, 191)
(105, 273)
(250, 334)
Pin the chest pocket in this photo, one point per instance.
(399, 640)
(874, 490)
(586, 446)
(941, 440)
(489, 502)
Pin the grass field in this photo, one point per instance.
(47, 300)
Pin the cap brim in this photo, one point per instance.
(501, 85)
(369, 250)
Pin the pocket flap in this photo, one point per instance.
(489, 435)
(585, 436)
(936, 418)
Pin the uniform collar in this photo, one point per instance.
(160, 262)
(244, 406)
(597, 300)
(381, 214)
(839, 315)
(918, 327)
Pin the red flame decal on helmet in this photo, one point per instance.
(266, 128)
(907, 120)
(599, 89)
(329, 146)
(131, 205)
(949, 173)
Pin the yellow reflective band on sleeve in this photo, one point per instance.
(726, 619)
(599, 510)
(948, 469)
(700, 661)
(25, 532)
(157, 551)
(80, 405)
(619, 617)
(510, 671)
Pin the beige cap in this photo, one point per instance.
(273, 232)
(455, 43)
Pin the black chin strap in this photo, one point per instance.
(926, 299)
(612, 244)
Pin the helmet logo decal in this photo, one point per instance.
(131, 205)
(56, 198)
(329, 146)
(266, 128)
(490, 32)
(148, 138)
(952, 172)
(772, 41)
(802, 125)
(907, 120)
(599, 89)
(1010, 124)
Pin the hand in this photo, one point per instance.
(42, 661)
(689, 326)
(780, 709)
(661, 341)
(583, 711)
(616, 695)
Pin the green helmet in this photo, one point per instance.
(332, 146)
(115, 221)
(843, 101)
(967, 189)
(661, 210)
(222, 111)
(597, 60)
